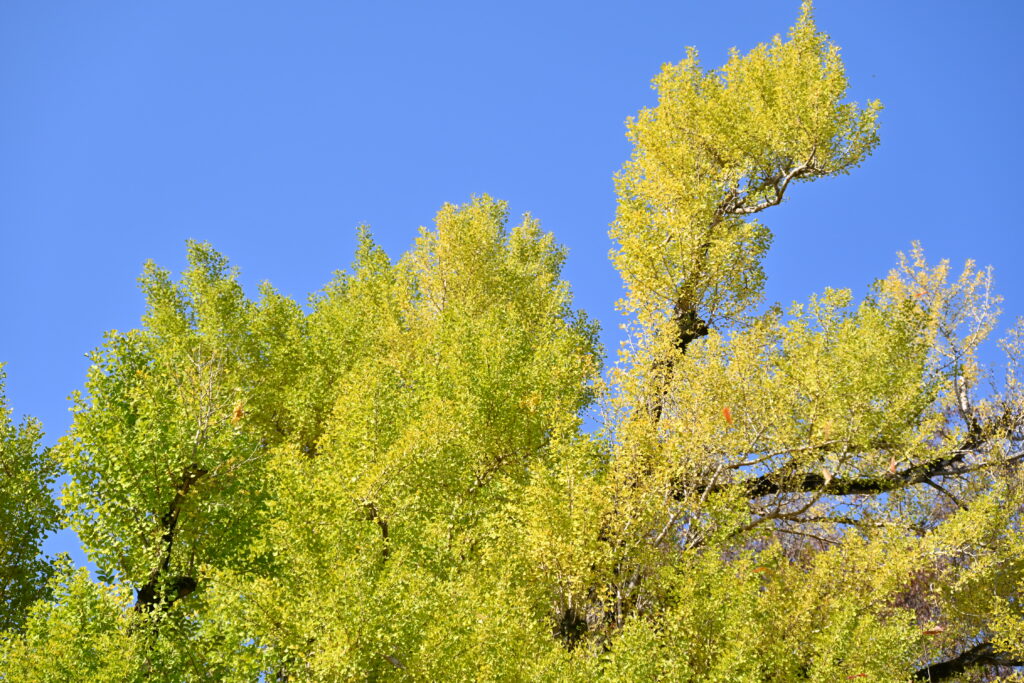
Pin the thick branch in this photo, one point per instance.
(838, 486)
(815, 482)
(983, 654)
(688, 325)
(149, 594)
(382, 524)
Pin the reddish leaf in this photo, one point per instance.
(892, 465)
(727, 414)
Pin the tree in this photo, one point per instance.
(399, 483)
(27, 514)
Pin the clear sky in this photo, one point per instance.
(273, 129)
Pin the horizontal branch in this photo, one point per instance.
(982, 654)
(820, 482)
(838, 486)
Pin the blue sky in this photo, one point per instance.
(273, 129)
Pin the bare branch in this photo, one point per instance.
(949, 495)
(733, 204)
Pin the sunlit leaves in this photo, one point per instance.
(397, 481)
(27, 514)
(719, 147)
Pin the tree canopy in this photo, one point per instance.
(426, 473)
(27, 514)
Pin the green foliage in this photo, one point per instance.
(79, 634)
(27, 514)
(398, 483)
(164, 478)
(720, 146)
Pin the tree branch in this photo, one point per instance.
(839, 486)
(815, 482)
(982, 654)
(733, 205)
(371, 511)
(150, 593)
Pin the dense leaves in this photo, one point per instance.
(425, 473)
(27, 514)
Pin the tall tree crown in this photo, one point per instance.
(720, 147)
(399, 481)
